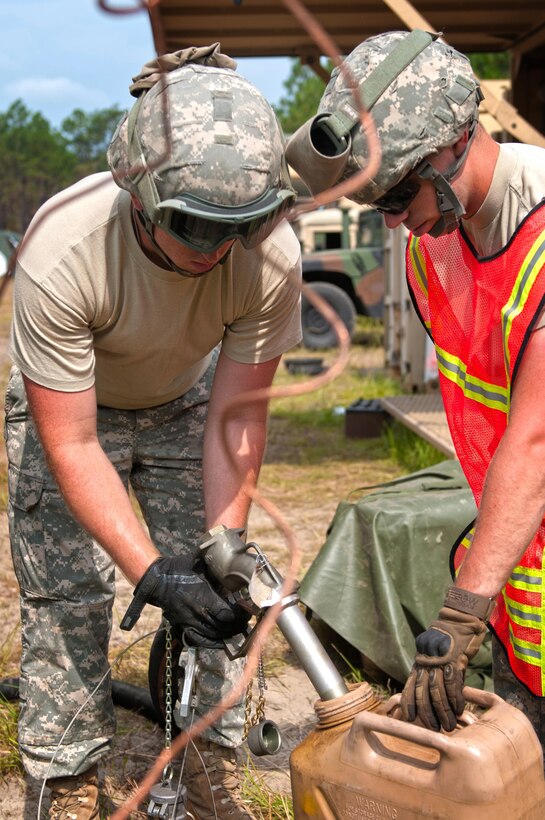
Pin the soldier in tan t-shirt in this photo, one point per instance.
(142, 309)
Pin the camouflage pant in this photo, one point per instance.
(67, 581)
(508, 687)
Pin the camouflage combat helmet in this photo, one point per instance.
(201, 129)
(421, 94)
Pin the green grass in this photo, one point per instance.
(10, 762)
(309, 428)
(352, 384)
(3, 487)
(409, 450)
(264, 803)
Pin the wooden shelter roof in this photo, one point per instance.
(259, 28)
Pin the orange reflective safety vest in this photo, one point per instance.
(479, 313)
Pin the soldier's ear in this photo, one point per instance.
(461, 144)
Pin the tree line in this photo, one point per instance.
(39, 160)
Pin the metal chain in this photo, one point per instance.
(261, 685)
(259, 713)
(168, 685)
(248, 710)
(167, 772)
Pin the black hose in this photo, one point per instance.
(135, 698)
(9, 688)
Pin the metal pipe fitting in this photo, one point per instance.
(226, 556)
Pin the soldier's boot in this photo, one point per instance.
(74, 798)
(213, 783)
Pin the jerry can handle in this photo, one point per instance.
(480, 697)
(383, 722)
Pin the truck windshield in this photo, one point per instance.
(370, 229)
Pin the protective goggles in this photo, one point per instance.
(203, 226)
(398, 198)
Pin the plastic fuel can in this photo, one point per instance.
(374, 766)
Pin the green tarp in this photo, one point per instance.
(381, 575)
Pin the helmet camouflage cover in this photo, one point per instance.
(199, 129)
(424, 108)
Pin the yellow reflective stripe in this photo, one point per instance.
(525, 651)
(523, 614)
(530, 268)
(526, 578)
(467, 539)
(419, 269)
(419, 265)
(491, 395)
(465, 543)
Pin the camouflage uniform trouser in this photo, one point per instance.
(67, 581)
(508, 687)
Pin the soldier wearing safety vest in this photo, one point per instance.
(475, 260)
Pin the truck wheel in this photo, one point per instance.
(317, 332)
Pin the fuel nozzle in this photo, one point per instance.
(237, 565)
(227, 558)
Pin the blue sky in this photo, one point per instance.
(58, 55)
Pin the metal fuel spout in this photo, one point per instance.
(238, 565)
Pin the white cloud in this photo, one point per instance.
(45, 91)
(48, 63)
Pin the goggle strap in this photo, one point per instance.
(340, 124)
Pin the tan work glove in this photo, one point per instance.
(433, 692)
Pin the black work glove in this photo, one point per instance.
(195, 611)
(433, 692)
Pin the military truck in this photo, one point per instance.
(342, 251)
(8, 244)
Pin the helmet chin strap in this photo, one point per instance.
(147, 225)
(451, 209)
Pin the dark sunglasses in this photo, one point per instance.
(398, 198)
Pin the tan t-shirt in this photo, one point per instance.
(91, 308)
(518, 185)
